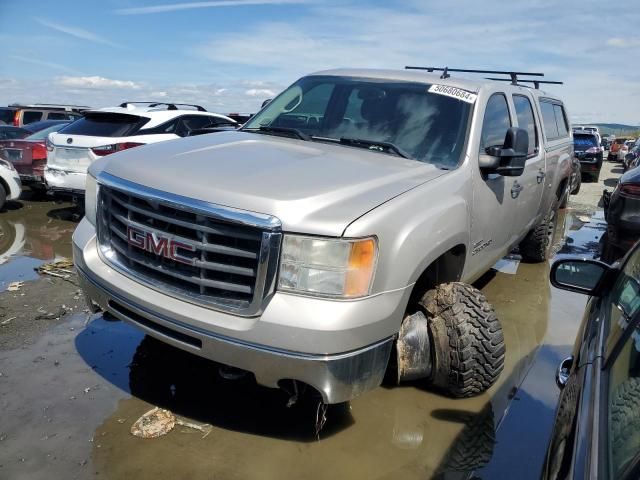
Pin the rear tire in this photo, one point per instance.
(536, 246)
(576, 188)
(468, 343)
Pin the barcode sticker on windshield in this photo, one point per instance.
(453, 92)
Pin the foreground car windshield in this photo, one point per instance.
(399, 117)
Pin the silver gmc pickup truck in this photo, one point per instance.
(334, 237)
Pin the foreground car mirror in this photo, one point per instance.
(579, 275)
(508, 160)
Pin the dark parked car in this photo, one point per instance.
(606, 142)
(8, 132)
(587, 150)
(631, 157)
(597, 427)
(29, 155)
(622, 212)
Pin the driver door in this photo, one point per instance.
(493, 204)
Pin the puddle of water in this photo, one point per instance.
(407, 431)
(33, 233)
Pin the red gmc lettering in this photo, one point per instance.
(163, 246)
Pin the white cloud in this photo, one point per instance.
(260, 92)
(96, 82)
(43, 63)
(77, 32)
(172, 7)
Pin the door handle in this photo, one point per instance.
(540, 176)
(563, 372)
(516, 189)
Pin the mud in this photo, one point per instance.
(70, 389)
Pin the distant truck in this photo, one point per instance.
(335, 236)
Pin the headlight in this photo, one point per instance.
(339, 268)
(91, 199)
(7, 164)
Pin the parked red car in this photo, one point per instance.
(29, 154)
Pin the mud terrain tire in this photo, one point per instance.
(468, 342)
(625, 420)
(535, 247)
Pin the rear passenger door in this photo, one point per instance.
(529, 187)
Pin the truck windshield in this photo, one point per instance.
(583, 140)
(397, 118)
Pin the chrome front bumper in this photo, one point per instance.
(338, 378)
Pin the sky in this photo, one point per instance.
(230, 55)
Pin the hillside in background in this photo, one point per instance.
(616, 128)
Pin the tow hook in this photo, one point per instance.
(231, 373)
(413, 348)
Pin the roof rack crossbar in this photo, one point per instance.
(170, 105)
(445, 72)
(536, 83)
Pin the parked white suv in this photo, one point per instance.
(101, 132)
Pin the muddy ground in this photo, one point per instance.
(71, 384)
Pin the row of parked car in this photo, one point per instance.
(54, 152)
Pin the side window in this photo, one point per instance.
(58, 116)
(30, 117)
(526, 120)
(496, 122)
(192, 122)
(549, 120)
(561, 120)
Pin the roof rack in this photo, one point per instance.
(513, 76)
(536, 83)
(170, 106)
(51, 106)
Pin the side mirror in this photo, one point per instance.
(266, 102)
(508, 160)
(579, 275)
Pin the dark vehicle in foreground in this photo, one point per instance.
(597, 429)
(622, 212)
(587, 150)
(8, 132)
(29, 155)
(19, 114)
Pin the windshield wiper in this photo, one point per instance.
(285, 130)
(376, 146)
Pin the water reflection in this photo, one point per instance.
(30, 237)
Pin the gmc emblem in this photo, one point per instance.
(164, 246)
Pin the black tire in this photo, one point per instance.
(564, 199)
(468, 343)
(3, 197)
(576, 188)
(536, 246)
(625, 421)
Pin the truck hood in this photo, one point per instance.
(312, 187)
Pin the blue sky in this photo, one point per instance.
(229, 55)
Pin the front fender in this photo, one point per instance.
(416, 228)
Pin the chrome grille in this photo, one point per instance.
(228, 258)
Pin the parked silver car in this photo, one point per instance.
(337, 233)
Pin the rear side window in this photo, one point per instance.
(30, 117)
(60, 116)
(6, 115)
(526, 120)
(105, 125)
(496, 122)
(561, 120)
(549, 120)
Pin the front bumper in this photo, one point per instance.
(340, 348)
